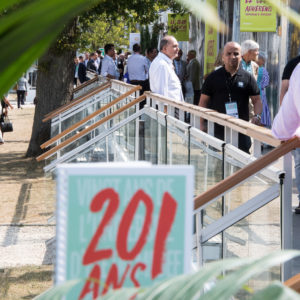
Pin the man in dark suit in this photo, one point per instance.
(82, 70)
(193, 71)
(91, 66)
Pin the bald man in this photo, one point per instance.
(163, 79)
(227, 90)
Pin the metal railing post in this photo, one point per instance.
(287, 214)
(141, 134)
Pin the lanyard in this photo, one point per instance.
(229, 82)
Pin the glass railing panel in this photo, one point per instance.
(85, 89)
(256, 235)
(149, 137)
(207, 159)
(55, 130)
(119, 145)
(212, 249)
(76, 114)
(177, 142)
(101, 151)
(162, 138)
(250, 188)
(100, 116)
(100, 129)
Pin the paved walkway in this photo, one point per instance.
(27, 199)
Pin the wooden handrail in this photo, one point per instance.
(90, 128)
(244, 173)
(86, 83)
(257, 132)
(122, 83)
(76, 101)
(294, 283)
(86, 119)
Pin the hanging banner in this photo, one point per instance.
(122, 225)
(211, 43)
(257, 16)
(179, 26)
(134, 38)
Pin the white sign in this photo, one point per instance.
(134, 38)
(122, 225)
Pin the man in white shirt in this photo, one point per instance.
(287, 122)
(163, 79)
(108, 68)
(137, 68)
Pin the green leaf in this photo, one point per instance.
(56, 293)
(124, 293)
(187, 286)
(6, 4)
(276, 291)
(27, 31)
(231, 283)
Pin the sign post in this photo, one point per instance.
(134, 38)
(121, 225)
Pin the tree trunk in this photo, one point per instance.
(54, 88)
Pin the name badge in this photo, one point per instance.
(240, 84)
(231, 109)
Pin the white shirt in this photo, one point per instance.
(137, 67)
(108, 66)
(22, 84)
(287, 122)
(163, 79)
(97, 62)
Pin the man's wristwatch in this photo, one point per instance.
(258, 116)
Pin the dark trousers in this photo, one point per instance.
(197, 94)
(21, 98)
(145, 87)
(244, 142)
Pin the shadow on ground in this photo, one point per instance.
(17, 284)
(15, 167)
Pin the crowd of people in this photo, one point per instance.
(179, 78)
(239, 74)
(236, 87)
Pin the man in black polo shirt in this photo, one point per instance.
(287, 73)
(227, 90)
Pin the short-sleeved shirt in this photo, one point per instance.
(22, 84)
(137, 67)
(220, 85)
(289, 68)
(108, 67)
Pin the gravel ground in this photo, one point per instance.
(26, 245)
(27, 199)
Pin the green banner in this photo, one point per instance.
(122, 226)
(178, 26)
(211, 41)
(257, 16)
